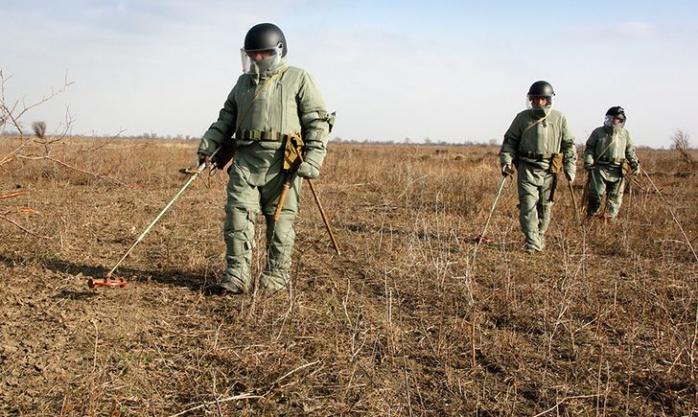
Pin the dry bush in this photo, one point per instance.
(604, 323)
(681, 141)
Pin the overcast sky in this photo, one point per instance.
(444, 70)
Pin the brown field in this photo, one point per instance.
(604, 323)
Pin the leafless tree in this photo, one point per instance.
(12, 113)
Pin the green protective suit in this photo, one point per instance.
(604, 154)
(260, 112)
(530, 143)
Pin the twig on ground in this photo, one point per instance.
(559, 403)
(13, 194)
(673, 215)
(693, 347)
(246, 396)
(22, 228)
(287, 374)
(94, 358)
(59, 162)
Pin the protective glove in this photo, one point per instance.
(204, 158)
(507, 169)
(588, 163)
(636, 169)
(306, 170)
(570, 176)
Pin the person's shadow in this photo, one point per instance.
(198, 282)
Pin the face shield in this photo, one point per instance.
(259, 60)
(613, 122)
(531, 105)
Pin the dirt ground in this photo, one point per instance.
(402, 323)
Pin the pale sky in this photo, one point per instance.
(443, 70)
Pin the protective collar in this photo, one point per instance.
(268, 67)
(541, 112)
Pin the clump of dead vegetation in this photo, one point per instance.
(681, 142)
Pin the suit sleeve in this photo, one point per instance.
(630, 154)
(510, 146)
(316, 122)
(589, 159)
(568, 149)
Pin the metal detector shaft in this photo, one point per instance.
(574, 202)
(319, 206)
(494, 204)
(282, 196)
(324, 217)
(586, 191)
(186, 185)
(484, 229)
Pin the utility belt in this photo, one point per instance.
(537, 156)
(555, 160)
(262, 135)
(614, 161)
(621, 164)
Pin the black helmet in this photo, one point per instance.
(541, 89)
(265, 36)
(617, 111)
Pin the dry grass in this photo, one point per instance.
(603, 324)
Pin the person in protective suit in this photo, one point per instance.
(540, 144)
(274, 115)
(609, 158)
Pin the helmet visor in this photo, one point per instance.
(534, 101)
(611, 121)
(253, 60)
